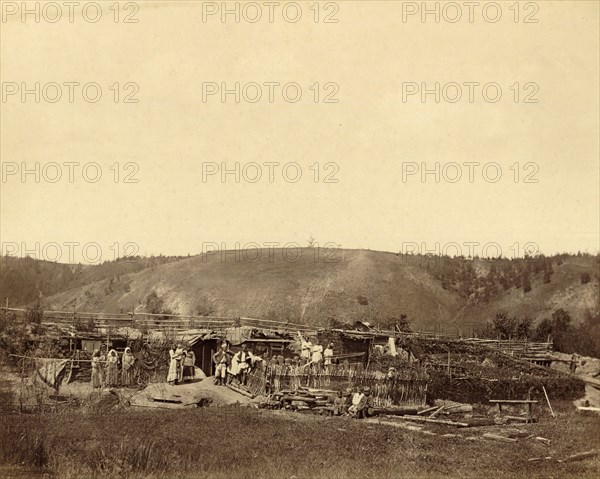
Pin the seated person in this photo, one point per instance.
(364, 404)
(339, 404)
(357, 397)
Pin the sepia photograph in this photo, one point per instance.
(304, 239)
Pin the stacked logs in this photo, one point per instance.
(302, 399)
(320, 401)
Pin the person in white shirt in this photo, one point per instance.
(317, 357)
(328, 355)
(241, 363)
(306, 347)
(356, 401)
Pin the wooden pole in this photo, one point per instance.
(581, 455)
(435, 421)
(548, 401)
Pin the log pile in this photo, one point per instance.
(321, 401)
(301, 399)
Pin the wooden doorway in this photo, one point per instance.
(204, 351)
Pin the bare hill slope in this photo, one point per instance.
(350, 285)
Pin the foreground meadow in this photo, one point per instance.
(231, 442)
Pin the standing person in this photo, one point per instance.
(328, 355)
(574, 363)
(179, 356)
(364, 404)
(112, 371)
(317, 357)
(189, 366)
(305, 349)
(241, 363)
(172, 374)
(127, 367)
(97, 378)
(222, 362)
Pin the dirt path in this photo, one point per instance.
(202, 392)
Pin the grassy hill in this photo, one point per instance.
(565, 291)
(359, 284)
(23, 280)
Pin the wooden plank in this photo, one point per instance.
(478, 422)
(581, 455)
(240, 391)
(392, 411)
(513, 401)
(521, 419)
(496, 437)
(429, 409)
(548, 401)
(434, 421)
(435, 413)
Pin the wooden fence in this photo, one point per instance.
(519, 348)
(158, 322)
(176, 322)
(404, 388)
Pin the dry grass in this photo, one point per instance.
(243, 442)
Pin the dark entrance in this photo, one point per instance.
(204, 351)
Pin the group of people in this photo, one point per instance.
(182, 365)
(314, 356)
(354, 405)
(110, 370)
(233, 366)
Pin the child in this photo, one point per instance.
(339, 404)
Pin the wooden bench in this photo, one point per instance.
(529, 403)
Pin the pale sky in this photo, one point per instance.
(370, 135)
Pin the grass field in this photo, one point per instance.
(231, 442)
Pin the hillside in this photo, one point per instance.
(23, 280)
(367, 285)
(361, 285)
(563, 291)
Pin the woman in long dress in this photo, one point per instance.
(96, 369)
(112, 372)
(189, 366)
(173, 367)
(127, 370)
